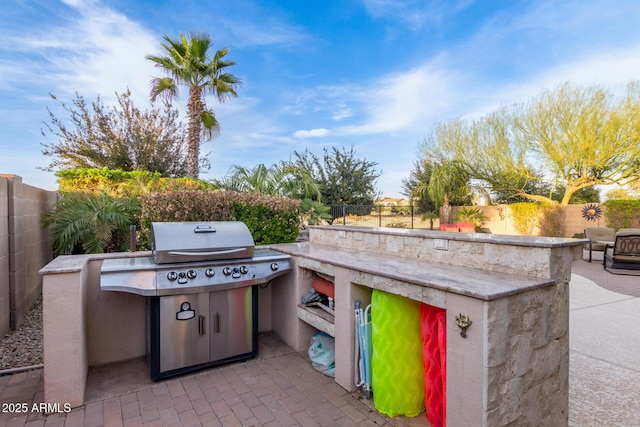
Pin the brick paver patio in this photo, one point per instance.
(282, 389)
(278, 391)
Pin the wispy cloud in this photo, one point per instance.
(396, 102)
(257, 25)
(459, 83)
(312, 133)
(417, 14)
(275, 32)
(94, 49)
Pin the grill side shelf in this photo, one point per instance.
(134, 282)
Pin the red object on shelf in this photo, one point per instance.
(433, 321)
(324, 287)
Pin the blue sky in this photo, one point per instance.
(375, 74)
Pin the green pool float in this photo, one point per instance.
(398, 370)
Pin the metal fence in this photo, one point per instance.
(380, 216)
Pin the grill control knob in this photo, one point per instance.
(209, 272)
(182, 278)
(172, 275)
(191, 274)
(226, 271)
(274, 266)
(244, 269)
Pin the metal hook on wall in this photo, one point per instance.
(463, 321)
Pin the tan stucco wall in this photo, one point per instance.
(65, 337)
(500, 220)
(24, 247)
(116, 322)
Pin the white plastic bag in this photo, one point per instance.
(322, 353)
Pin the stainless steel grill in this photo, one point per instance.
(202, 282)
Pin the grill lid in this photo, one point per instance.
(174, 242)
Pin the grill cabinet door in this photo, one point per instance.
(231, 323)
(184, 334)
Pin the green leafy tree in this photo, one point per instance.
(430, 215)
(634, 189)
(619, 194)
(122, 137)
(572, 137)
(187, 62)
(341, 176)
(585, 195)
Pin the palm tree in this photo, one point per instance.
(280, 179)
(448, 181)
(90, 223)
(187, 63)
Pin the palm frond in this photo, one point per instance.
(90, 223)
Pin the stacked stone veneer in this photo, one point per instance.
(512, 369)
(24, 247)
(520, 255)
(527, 358)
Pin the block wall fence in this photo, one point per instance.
(500, 220)
(24, 248)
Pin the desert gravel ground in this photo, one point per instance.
(23, 347)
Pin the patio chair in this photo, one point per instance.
(597, 237)
(624, 253)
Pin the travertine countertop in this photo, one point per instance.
(485, 285)
(74, 263)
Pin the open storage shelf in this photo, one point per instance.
(318, 318)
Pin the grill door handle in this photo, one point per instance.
(216, 323)
(202, 325)
(224, 251)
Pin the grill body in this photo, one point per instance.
(202, 284)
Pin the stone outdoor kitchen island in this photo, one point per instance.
(511, 368)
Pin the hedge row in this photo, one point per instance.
(270, 219)
(119, 183)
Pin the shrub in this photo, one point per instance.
(119, 183)
(313, 212)
(472, 215)
(551, 224)
(622, 213)
(97, 219)
(525, 217)
(270, 219)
